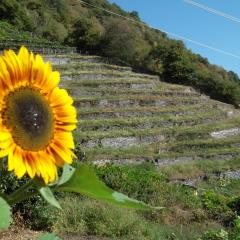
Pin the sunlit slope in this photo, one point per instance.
(128, 117)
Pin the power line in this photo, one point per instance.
(212, 10)
(204, 45)
(169, 33)
(113, 13)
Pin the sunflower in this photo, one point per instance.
(36, 116)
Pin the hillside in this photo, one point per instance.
(127, 117)
(91, 30)
(11, 37)
(165, 144)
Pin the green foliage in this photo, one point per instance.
(95, 218)
(237, 224)
(29, 210)
(122, 42)
(84, 181)
(5, 217)
(223, 234)
(54, 31)
(12, 11)
(140, 182)
(216, 235)
(86, 34)
(217, 206)
(88, 217)
(143, 182)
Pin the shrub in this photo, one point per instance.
(30, 211)
(216, 235)
(217, 207)
(141, 182)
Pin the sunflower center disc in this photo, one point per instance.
(30, 118)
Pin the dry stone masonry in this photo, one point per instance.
(131, 118)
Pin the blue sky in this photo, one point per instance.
(184, 19)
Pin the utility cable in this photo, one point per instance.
(169, 33)
(212, 10)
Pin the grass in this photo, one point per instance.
(194, 169)
(186, 215)
(145, 154)
(149, 121)
(74, 56)
(90, 217)
(179, 133)
(115, 73)
(179, 110)
(132, 100)
(89, 65)
(128, 91)
(147, 98)
(105, 82)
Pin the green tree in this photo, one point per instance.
(12, 11)
(86, 34)
(122, 42)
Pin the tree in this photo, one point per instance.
(12, 11)
(86, 34)
(122, 42)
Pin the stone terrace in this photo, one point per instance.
(128, 117)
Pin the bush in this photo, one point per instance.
(29, 211)
(217, 207)
(140, 182)
(216, 235)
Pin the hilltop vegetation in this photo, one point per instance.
(97, 32)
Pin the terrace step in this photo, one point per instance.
(135, 155)
(71, 58)
(139, 90)
(119, 83)
(198, 145)
(160, 162)
(116, 83)
(134, 136)
(167, 120)
(111, 113)
(93, 66)
(127, 101)
(99, 75)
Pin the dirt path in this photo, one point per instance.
(19, 234)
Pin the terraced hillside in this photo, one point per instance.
(127, 117)
(11, 38)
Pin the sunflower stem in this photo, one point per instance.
(21, 194)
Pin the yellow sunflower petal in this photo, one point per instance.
(36, 116)
(60, 97)
(19, 168)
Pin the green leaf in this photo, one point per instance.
(46, 193)
(5, 216)
(49, 197)
(85, 181)
(49, 236)
(67, 173)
